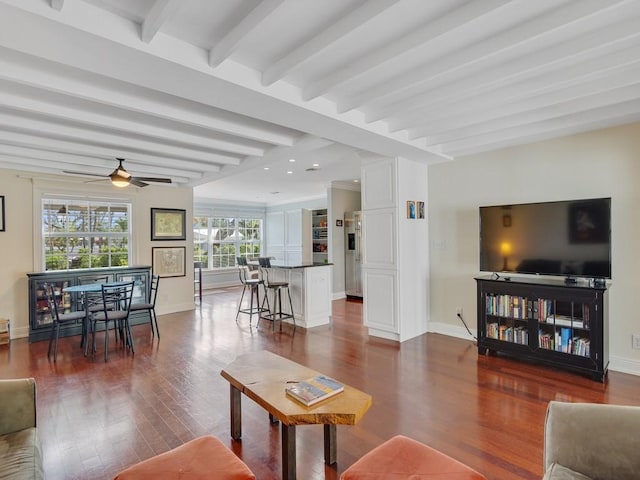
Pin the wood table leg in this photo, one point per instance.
(288, 452)
(330, 444)
(236, 413)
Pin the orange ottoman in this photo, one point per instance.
(203, 458)
(402, 457)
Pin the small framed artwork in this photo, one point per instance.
(420, 208)
(338, 223)
(168, 261)
(168, 224)
(2, 227)
(411, 209)
(506, 220)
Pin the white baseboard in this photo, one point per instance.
(450, 330)
(624, 365)
(339, 295)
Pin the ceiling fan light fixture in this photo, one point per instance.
(120, 177)
(120, 182)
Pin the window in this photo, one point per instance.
(85, 234)
(219, 240)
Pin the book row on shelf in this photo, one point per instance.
(518, 335)
(543, 310)
(507, 306)
(560, 341)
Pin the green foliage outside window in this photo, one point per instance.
(218, 241)
(85, 234)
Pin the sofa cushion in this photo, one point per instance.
(558, 472)
(21, 455)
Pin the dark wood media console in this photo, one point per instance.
(563, 325)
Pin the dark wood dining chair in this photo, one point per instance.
(58, 319)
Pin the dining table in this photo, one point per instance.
(89, 294)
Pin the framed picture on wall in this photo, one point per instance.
(411, 209)
(2, 229)
(420, 209)
(168, 224)
(168, 261)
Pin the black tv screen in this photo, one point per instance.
(567, 238)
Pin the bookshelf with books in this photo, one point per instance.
(564, 325)
(319, 235)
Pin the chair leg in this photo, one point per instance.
(55, 348)
(254, 292)
(106, 339)
(244, 287)
(155, 319)
(293, 317)
(128, 337)
(153, 333)
(53, 332)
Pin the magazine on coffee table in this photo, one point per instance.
(314, 389)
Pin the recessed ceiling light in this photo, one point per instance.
(356, 181)
(289, 172)
(292, 160)
(316, 165)
(265, 168)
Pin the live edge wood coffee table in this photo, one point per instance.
(262, 376)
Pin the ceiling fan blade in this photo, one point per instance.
(153, 179)
(137, 182)
(84, 174)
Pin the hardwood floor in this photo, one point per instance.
(96, 418)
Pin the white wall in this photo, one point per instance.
(340, 201)
(20, 255)
(598, 164)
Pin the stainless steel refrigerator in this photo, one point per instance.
(352, 254)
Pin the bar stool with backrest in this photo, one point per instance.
(276, 290)
(253, 284)
(59, 319)
(118, 296)
(150, 304)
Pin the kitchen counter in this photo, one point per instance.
(311, 287)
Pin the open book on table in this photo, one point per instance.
(314, 389)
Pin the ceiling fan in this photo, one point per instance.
(121, 178)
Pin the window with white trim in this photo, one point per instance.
(85, 234)
(219, 240)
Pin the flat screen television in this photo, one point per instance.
(567, 238)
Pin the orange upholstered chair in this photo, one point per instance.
(200, 459)
(402, 457)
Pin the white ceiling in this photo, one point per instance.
(209, 92)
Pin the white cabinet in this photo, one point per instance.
(311, 293)
(395, 249)
(288, 235)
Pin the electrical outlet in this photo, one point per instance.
(635, 341)
(459, 312)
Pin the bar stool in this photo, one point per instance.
(276, 289)
(253, 284)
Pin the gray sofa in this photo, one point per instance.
(20, 449)
(587, 441)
